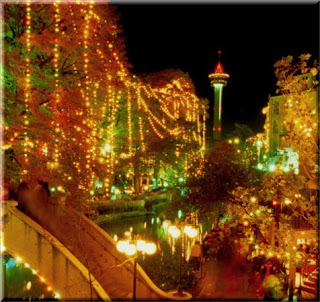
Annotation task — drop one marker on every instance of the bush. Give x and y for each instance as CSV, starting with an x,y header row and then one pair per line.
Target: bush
x,y
163,269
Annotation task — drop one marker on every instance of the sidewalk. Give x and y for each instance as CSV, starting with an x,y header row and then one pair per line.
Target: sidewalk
x,y
222,282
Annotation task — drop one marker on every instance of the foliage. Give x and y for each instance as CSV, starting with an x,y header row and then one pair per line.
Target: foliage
x,y
211,189
300,113
163,270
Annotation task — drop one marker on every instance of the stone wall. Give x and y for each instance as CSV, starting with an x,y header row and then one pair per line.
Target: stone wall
x,y
62,271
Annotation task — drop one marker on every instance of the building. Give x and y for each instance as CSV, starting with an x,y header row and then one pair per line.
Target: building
x,y
274,127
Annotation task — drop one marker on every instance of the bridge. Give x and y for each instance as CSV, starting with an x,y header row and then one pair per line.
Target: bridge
x,y
77,258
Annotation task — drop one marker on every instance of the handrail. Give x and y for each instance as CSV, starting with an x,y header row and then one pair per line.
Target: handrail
x,y
59,246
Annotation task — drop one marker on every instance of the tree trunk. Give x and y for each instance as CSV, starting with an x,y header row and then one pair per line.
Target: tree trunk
x,y
136,176
156,173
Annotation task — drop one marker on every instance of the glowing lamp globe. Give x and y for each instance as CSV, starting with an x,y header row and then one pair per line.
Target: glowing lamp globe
x,y
150,248
141,245
174,231
130,249
122,246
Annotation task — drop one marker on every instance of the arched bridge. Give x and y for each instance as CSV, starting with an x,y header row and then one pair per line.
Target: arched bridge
x,y
76,257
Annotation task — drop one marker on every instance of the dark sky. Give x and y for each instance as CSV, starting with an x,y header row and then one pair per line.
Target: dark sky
x,y
251,37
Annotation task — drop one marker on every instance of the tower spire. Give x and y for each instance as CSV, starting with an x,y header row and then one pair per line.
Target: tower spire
x,y
218,80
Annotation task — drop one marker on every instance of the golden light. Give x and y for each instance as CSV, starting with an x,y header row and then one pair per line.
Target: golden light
x,y
246,223
236,140
57,296
27,265
287,201
18,259
150,248
253,199
174,231
115,238
117,191
28,286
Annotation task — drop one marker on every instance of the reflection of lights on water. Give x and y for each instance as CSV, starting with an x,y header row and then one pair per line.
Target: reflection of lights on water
x,y
145,225
158,219
131,229
152,220
115,238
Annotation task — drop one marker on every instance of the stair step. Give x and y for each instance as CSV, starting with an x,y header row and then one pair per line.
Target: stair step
x,y
118,293
306,296
310,284
309,290
313,279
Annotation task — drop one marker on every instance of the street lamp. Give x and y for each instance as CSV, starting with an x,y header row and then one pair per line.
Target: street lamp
x,y
175,232
259,144
131,248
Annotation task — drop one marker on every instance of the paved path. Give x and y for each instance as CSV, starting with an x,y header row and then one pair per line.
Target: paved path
x,y
224,282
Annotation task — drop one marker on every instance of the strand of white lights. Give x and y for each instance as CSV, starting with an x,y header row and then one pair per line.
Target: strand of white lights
x,y
27,94
143,146
19,260
129,105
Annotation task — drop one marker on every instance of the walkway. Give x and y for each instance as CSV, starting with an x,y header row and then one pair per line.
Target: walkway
x,y
223,282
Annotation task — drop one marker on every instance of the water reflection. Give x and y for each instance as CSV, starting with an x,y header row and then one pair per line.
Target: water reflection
x,y
151,228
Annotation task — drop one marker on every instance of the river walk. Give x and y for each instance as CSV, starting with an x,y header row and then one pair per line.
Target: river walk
x,y
223,282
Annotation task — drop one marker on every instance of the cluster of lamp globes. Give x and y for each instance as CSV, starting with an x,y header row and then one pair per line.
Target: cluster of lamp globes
x,y
188,230
130,247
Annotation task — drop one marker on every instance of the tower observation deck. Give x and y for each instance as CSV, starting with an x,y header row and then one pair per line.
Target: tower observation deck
x,y
218,79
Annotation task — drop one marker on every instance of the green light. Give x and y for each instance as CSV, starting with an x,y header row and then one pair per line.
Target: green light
x,y
165,184
152,220
52,189
272,168
180,179
179,214
265,156
260,166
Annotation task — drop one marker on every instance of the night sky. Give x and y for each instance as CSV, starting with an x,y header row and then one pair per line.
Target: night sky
x,y
251,37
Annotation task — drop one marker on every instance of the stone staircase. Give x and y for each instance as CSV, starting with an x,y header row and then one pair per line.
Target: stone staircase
x,y
309,287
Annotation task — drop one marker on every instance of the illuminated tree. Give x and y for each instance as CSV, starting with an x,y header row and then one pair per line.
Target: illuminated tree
x,y
210,191
300,113
61,84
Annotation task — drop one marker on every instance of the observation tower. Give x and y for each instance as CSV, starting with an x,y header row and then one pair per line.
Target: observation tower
x,y
218,79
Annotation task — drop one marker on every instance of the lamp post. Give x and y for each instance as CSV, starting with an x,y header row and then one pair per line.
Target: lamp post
x,y
175,232
259,144
131,248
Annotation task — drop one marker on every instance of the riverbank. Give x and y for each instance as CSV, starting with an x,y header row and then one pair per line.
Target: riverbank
x,y
125,213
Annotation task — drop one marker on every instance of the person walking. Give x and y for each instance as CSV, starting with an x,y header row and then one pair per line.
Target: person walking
x,y
196,253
